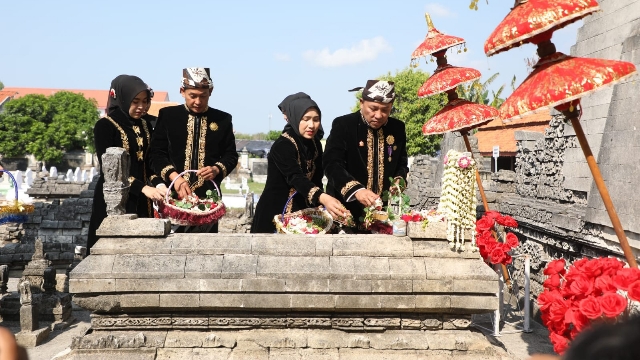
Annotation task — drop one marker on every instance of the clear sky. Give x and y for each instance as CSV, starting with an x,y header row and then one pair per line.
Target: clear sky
x,y
258,51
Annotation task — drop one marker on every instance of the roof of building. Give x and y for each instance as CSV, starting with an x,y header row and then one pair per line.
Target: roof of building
x,y
4,94
503,135
157,105
100,96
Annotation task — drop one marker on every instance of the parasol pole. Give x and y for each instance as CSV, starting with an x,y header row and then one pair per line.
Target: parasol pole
x,y
602,188
505,273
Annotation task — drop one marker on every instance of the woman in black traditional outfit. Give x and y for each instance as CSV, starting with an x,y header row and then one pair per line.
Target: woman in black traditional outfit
x,y
124,127
294,164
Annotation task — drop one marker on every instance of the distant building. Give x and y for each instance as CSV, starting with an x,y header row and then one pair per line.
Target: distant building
x,y
503,135
5,95
100,96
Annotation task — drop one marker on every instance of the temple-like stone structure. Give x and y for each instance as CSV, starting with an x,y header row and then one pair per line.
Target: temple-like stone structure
x,y
156,295
267,296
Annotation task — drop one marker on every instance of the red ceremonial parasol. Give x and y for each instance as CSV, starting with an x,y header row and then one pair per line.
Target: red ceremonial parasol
x,y
446,78
529,18
434,42
459,114
560,81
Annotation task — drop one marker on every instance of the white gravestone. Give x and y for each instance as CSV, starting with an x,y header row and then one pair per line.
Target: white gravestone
x,y
18,177
83,176
53,173
69,175
28,177
92,173
76,175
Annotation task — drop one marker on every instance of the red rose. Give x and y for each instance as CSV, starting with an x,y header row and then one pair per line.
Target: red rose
x,y
552,282
612,304
512,240
416,218
507,259
581,285
610,266
497,255
558,311
560,343
625,277
634,290
592,268
491,214
604,283
580,321
590,307
546,298
507,221
406,217
484,224
491,244
555,267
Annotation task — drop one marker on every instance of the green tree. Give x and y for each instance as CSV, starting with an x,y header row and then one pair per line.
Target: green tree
x,y
273,134
1,85
479,92
413,111
47,127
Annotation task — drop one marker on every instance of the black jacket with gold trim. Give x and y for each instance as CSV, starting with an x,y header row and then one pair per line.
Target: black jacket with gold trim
x,y
183,140
357,156
290,169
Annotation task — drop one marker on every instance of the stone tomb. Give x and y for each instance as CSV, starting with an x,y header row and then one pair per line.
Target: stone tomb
x,y
270,296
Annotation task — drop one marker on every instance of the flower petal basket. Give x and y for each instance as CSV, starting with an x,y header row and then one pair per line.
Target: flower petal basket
x,y
194,216
14,211
320,219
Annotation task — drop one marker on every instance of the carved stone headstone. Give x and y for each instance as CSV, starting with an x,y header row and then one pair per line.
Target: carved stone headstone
x,y
69,176
49,285
28,310
115,167
28,177
26,296
18,176
4,278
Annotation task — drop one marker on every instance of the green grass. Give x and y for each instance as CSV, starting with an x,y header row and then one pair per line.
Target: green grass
x,y
254,187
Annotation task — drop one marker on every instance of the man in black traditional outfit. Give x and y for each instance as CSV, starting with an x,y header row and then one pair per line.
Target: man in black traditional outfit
x,y
194,136
365,149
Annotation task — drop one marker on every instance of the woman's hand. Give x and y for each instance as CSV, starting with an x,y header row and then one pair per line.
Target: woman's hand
x,y
366,197
208,172
154,194
333,205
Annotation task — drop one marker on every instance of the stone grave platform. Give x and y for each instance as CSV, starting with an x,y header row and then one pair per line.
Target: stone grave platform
x,y
255,296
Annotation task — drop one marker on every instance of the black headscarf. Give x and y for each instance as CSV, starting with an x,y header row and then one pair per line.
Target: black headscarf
x,y
124,88
296,109
285,104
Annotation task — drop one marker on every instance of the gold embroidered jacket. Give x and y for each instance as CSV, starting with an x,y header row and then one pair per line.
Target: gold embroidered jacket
x,y
182,141
357,156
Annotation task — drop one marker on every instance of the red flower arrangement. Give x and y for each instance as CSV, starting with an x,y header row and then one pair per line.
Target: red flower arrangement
x,y
492,251
590,291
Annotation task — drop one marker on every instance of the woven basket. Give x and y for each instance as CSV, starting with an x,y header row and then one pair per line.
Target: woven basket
x,y
14,211
184,217
319,212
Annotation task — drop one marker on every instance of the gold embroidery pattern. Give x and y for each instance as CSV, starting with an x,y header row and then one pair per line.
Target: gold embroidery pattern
x,y
380,160
285,135
369,159
187,151
290,205
163,173
390,139
311,164
223,168
123,135
153,177
131,180
201,145
144,168
350,185
312,192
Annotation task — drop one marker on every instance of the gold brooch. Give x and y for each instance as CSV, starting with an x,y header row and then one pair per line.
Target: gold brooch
x,y
361,143
390,139
395,148
213,126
